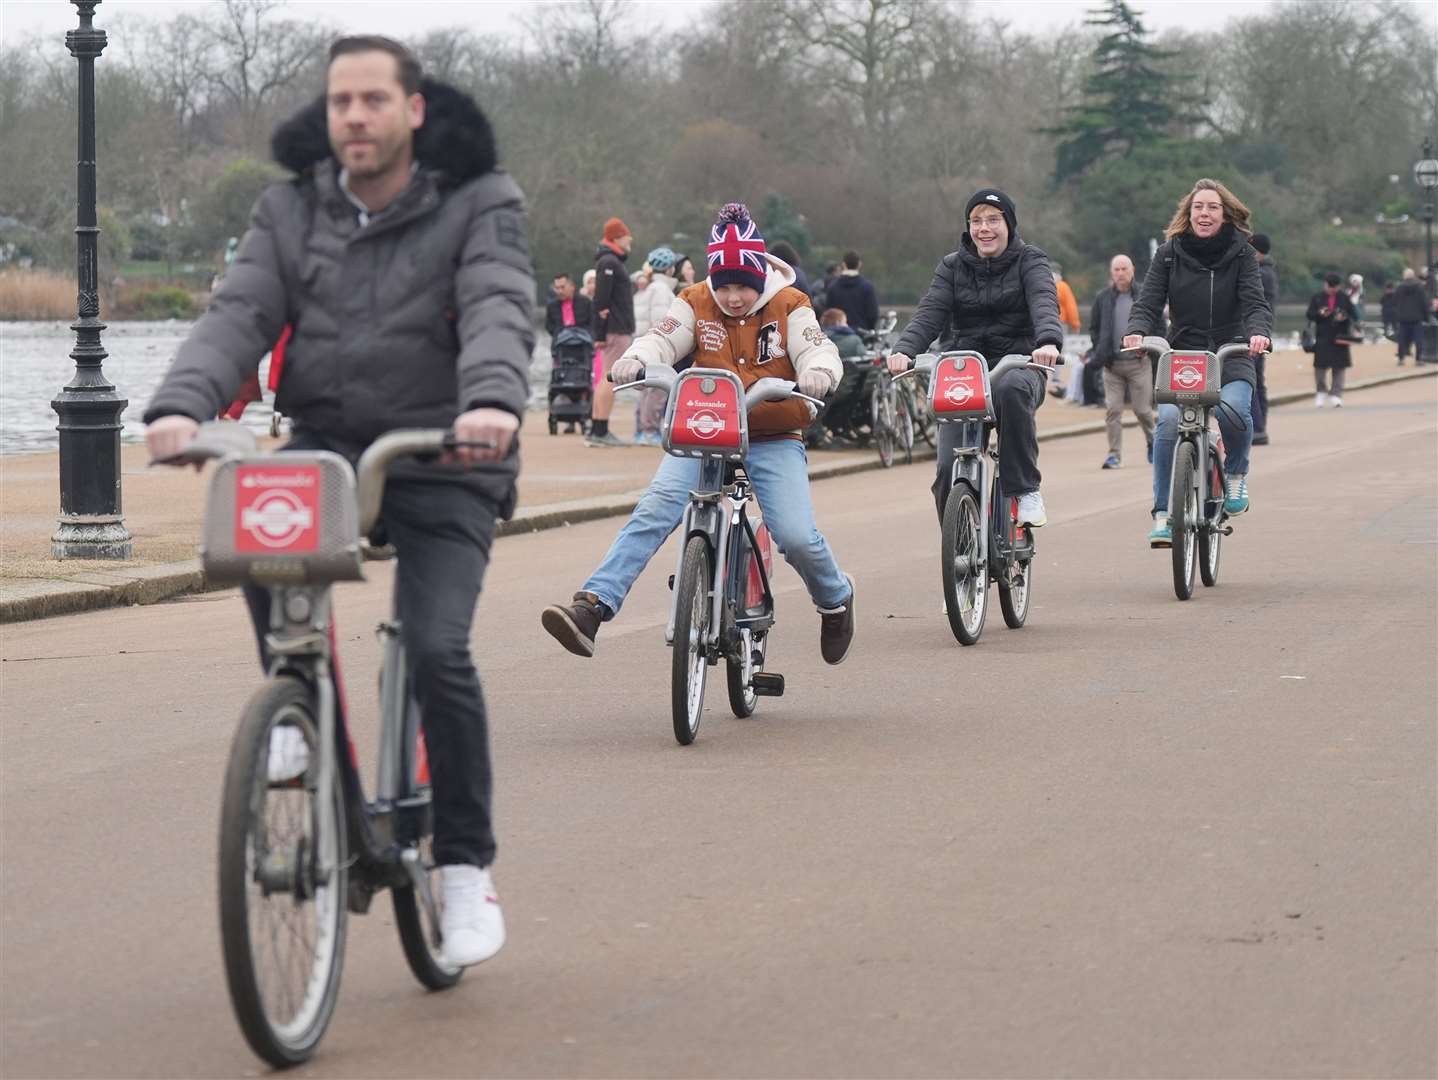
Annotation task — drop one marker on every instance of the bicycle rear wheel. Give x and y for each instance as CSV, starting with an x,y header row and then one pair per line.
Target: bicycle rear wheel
x,y
691,628
1210,540
1014,599
1186,521
882,416
965,573
904,426
282,915
742,698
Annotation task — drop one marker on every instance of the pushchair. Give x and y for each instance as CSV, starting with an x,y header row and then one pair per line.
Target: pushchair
x,y
571,385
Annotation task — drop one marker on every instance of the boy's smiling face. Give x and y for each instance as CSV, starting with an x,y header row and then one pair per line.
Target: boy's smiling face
x,y
736,299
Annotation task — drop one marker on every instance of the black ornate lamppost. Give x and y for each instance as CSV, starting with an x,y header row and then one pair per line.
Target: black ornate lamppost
x,y
90,525
1426,175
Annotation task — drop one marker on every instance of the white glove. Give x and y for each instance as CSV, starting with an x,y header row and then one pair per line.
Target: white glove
x,y
816,382
627,369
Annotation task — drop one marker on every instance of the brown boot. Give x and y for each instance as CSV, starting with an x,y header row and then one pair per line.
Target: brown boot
x,y
574,625
836,629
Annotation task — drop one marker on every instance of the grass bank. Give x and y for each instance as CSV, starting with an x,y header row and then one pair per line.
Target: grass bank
x,y
38,295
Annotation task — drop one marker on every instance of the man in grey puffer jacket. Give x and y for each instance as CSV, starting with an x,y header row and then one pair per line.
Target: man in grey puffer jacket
x,y
398,258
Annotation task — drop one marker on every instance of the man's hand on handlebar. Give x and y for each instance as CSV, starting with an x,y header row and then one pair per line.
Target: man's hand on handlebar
x,y
1132,342
170,435
495,426
626,369
1258,344
899,363
1045,356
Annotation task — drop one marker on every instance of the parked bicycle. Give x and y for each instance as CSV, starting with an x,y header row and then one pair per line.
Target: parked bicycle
x,y
891,424
723,607
982,540
1191,380
300,844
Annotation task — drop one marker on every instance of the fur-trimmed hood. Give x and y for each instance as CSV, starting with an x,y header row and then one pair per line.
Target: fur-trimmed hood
x,y
455,138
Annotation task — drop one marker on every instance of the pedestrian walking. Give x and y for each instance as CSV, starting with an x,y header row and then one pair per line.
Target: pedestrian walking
x,y
1331,309
1268,276
1385,307
650,306
854,293
1123,374
567,307
1409,307
784,250
1068,303
613,322
684,271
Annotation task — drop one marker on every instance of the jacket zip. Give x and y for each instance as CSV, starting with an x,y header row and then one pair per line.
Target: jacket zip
x,y
1210,310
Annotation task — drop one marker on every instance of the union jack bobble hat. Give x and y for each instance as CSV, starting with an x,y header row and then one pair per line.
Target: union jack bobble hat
x,y
736,249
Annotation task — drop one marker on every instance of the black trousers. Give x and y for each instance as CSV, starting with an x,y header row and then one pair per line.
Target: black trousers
x,y
1017,395
442,532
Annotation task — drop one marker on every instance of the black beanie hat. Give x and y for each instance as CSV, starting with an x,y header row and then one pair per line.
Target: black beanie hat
x,y
999,201
1261,243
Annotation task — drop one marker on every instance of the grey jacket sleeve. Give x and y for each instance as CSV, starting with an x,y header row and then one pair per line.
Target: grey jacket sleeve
x,y
494,291
1043,298
931,317
1147,314
1257,315
242,323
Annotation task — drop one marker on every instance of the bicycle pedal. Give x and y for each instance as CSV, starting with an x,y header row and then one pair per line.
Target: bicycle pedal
x,y
768,684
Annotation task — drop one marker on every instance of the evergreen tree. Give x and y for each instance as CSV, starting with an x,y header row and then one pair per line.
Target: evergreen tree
x,y
1126,99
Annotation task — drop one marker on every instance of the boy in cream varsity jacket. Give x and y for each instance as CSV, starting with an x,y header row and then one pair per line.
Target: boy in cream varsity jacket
x,y
747,318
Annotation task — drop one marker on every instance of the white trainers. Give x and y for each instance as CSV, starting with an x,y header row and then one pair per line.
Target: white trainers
x,y
1336,401
470,923
1031,510
1320,399
289,754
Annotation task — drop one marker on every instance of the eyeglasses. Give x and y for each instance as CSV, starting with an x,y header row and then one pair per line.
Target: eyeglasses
x,y
988,221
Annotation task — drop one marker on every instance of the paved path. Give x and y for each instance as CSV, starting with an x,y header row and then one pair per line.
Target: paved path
x,y
1136,838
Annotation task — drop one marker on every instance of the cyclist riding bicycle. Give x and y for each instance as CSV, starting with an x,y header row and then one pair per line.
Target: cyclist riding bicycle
x,y
398,257
1207,273
996,296
746,317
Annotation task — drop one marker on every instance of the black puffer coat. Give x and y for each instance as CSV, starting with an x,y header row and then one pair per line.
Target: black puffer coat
x,y
424,313
1208,307
613,294
1007,304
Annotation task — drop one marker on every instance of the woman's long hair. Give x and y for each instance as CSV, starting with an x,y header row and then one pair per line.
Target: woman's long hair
x,y
1233,209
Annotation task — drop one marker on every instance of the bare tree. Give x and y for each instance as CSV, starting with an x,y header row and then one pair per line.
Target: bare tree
x,y
258,58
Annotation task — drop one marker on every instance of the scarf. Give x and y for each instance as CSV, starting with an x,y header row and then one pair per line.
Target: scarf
x,y
1208,252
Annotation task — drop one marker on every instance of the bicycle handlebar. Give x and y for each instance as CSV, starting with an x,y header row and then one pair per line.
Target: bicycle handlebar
x,y
1155,346
663,377
925,362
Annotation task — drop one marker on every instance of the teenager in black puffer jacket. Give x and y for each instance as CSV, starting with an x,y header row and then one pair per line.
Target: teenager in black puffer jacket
x,y
995,295
1207,273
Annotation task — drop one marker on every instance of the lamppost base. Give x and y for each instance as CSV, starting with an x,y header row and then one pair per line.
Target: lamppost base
x,y
92,538
1428,343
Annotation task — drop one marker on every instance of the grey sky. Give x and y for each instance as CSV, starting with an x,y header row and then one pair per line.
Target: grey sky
x,y
21,18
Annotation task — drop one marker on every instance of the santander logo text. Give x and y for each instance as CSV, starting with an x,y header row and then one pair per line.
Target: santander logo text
x,y
705,424
277,518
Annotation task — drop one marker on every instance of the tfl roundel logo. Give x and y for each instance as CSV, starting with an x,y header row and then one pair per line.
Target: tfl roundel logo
x,y
960,391
705,424
277,509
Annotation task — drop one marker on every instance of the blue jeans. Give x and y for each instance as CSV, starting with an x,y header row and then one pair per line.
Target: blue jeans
x,y
780,474
1237,439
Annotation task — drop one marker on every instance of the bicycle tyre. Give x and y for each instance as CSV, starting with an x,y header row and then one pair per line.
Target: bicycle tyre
x,y
424,959
882,415
923,412
966,594
742,698
1210,540
1014,601
904,427
247,791
1185,522
691,626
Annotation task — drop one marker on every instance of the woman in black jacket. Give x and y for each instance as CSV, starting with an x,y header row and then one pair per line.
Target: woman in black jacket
x,y
995,295
1331,310
1207,273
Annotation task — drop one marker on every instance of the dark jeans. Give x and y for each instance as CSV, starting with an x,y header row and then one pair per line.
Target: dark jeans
x,y
1260,397
1410,333
442,532
1017,396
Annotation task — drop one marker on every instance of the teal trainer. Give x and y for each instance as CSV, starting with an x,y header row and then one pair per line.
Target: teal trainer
x,y
1161,535
1235,499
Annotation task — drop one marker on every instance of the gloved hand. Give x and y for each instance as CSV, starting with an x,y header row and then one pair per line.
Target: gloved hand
x,y
816,382
627,369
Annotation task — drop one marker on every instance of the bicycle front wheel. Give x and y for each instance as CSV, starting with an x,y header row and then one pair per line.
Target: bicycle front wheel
x,y
1186,521
883,422
965,572
691,631
282,876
